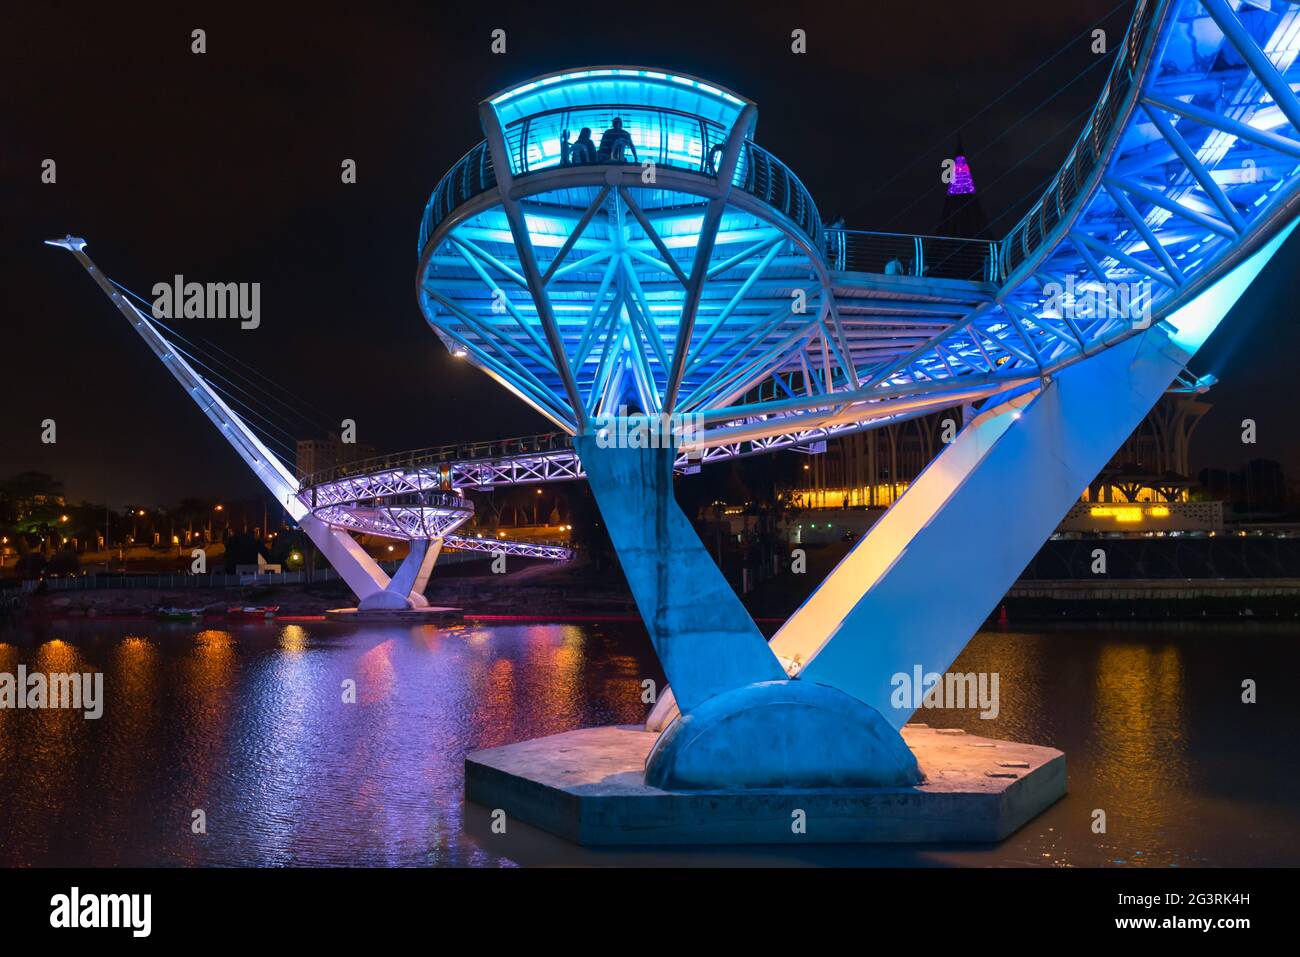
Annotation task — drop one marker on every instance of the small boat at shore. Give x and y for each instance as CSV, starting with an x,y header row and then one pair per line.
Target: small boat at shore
x,y
179,614
253,611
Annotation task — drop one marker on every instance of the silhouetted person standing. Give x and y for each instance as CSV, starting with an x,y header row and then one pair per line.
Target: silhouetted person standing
x,y
583,150
613,142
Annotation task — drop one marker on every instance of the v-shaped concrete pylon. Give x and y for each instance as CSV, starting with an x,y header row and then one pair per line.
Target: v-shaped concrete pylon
x,y
743,723
705,639
923,579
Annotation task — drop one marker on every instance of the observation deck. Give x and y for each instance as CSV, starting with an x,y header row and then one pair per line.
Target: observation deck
x,y
697,277
583,287
619,277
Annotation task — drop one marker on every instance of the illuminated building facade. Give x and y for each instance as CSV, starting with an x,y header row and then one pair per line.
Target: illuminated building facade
x,y
319,455
871,470
963,214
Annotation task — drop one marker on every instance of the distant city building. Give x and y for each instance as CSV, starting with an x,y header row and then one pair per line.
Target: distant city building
x,y
963,215
1145,487
1177,516
870,469
317,455
24,506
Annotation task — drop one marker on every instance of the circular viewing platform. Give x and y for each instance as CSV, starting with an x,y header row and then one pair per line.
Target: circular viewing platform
x,y
673,121
614,241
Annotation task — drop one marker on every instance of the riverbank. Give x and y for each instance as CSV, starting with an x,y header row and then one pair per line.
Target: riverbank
x,y
534,590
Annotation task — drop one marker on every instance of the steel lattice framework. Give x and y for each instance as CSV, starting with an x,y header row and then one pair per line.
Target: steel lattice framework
x,y
700,281
585,287
556,553
415,472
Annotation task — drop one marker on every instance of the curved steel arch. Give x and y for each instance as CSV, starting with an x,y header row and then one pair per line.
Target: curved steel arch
x,y
1150,200
1186,166
1149,207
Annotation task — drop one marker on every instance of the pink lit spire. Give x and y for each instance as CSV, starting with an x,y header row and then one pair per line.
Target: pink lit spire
x,y
962,182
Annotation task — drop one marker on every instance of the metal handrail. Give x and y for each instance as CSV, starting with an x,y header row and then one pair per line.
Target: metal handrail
x,y
426,499
472,174
529,131
758,173
937,257
441,455
761,174
1037,225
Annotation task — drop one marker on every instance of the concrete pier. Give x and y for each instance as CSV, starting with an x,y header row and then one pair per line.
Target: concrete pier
x,y
588,786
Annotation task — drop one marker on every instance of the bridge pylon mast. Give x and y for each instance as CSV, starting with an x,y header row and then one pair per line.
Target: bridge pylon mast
x,y
361,572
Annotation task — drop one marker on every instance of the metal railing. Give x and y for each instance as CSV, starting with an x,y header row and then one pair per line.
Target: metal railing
x,y
665,137
661,136
441,455
472,174
426,499
1054,205
761,174
681,140
938,257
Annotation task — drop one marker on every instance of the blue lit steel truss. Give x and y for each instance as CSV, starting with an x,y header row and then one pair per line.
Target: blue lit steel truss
x,y
695,276
713,288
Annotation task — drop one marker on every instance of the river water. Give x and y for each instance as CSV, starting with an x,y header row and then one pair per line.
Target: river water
x,y
248,724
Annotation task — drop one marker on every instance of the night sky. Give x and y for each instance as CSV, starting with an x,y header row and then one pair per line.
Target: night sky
x,y
226,167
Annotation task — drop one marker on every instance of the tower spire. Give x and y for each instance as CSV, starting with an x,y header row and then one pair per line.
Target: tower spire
x,y
963,215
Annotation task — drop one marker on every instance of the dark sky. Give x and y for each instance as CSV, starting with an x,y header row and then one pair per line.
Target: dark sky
x,y
225,167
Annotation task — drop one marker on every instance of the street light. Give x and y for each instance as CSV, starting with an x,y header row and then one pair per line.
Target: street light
x,y
215,508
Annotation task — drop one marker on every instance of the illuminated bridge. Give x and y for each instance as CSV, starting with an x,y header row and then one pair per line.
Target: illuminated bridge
x,y
697,278
712,288
677,267
619,246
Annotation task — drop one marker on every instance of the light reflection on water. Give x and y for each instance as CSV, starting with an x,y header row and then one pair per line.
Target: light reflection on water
x,y
250,725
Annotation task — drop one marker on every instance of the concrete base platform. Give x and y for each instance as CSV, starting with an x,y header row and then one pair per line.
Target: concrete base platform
x,y
589,787
396,616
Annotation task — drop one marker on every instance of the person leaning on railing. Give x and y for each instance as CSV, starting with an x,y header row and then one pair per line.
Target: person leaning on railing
x,y
614,142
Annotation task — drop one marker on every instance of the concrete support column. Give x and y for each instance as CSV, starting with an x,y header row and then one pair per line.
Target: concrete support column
x,y
361,572
406,588
924,578
703,635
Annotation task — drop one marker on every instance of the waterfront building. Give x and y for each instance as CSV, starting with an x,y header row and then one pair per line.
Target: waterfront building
x,y
845,483
319,455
